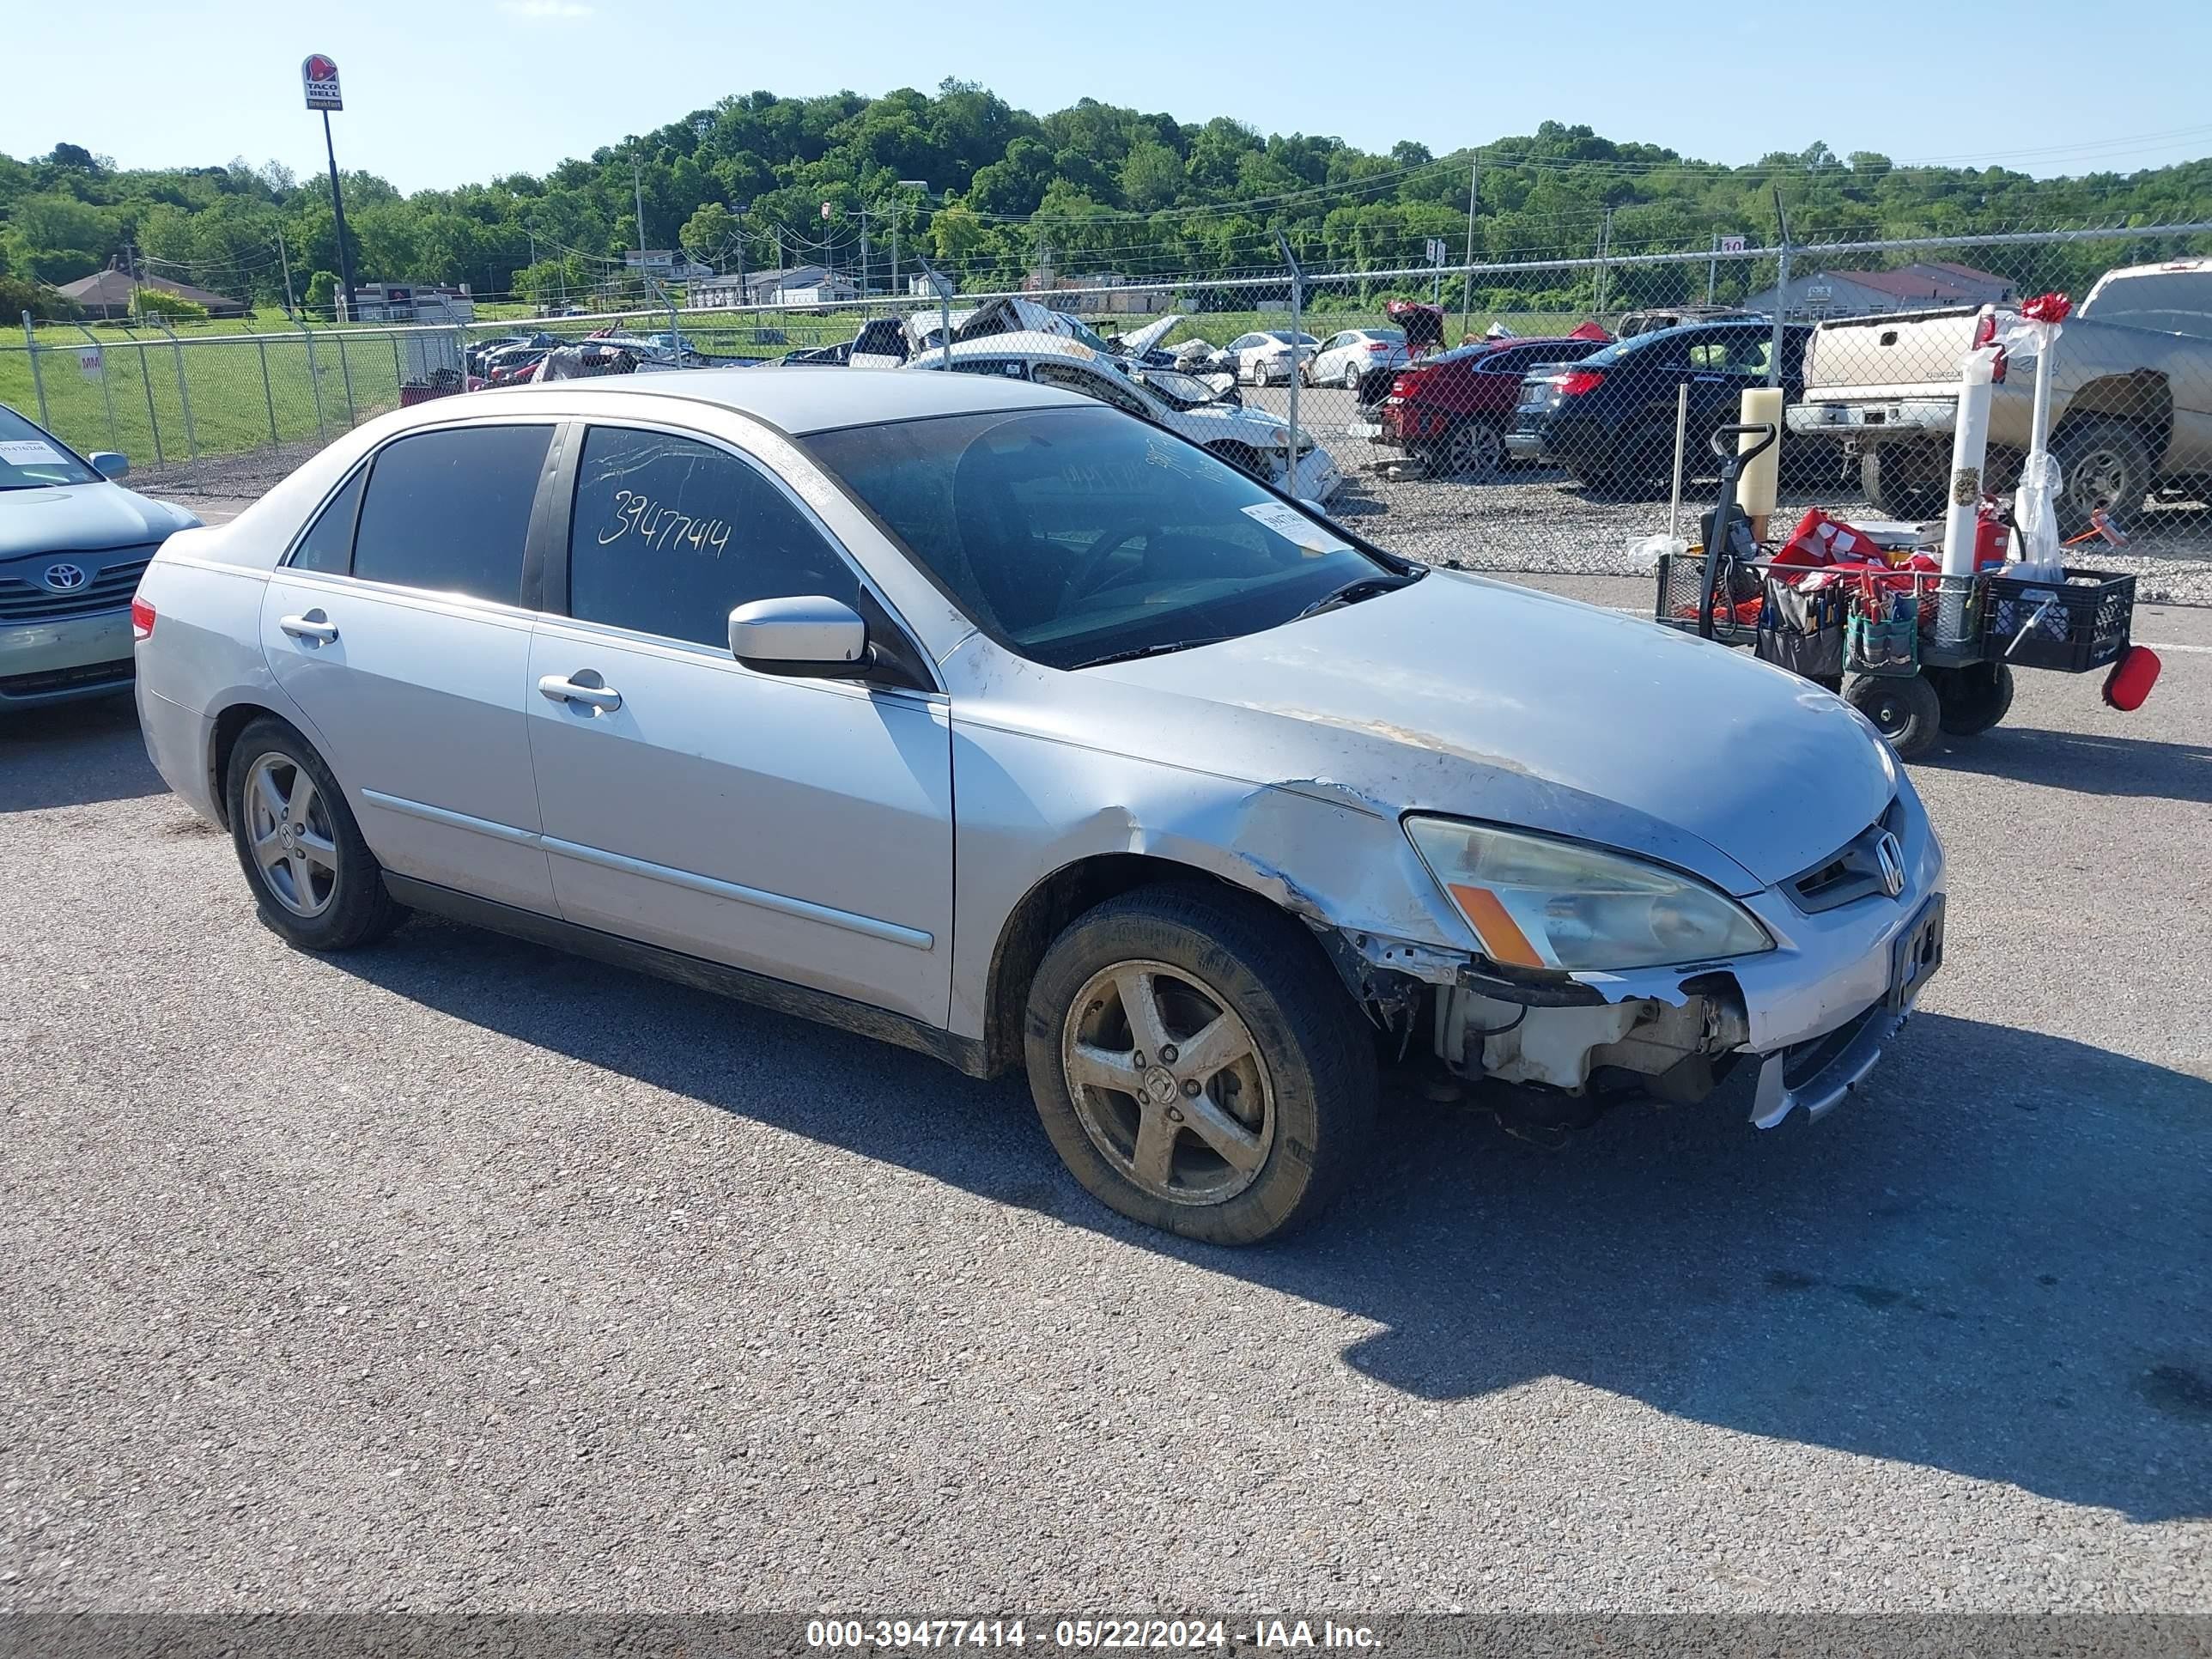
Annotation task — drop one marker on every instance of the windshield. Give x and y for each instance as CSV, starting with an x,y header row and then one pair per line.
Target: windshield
x,y
1070,535
1183,391
30,457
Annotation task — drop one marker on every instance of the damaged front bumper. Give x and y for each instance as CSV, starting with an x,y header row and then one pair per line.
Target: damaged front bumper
x,y
1814,1014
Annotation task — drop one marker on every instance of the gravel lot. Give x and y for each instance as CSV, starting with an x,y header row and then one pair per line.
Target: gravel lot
x,y
457,1274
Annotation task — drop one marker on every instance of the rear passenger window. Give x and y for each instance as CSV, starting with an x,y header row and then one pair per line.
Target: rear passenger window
x,y
449,511
328,545
671,535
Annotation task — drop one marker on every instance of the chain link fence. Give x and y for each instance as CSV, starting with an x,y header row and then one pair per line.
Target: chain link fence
x,y
1521,415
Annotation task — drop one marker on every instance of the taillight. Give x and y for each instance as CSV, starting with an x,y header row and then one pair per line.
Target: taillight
x,y
1377,345
141,618
1985,329
1578,382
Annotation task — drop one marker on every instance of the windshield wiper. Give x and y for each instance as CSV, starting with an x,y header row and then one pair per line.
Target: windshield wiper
x,y
1366,587
1158,650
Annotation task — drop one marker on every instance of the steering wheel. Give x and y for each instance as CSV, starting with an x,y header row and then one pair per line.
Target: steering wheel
x,y
1091,577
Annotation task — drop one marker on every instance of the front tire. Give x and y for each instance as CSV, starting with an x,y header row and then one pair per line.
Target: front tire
x,y
1198,1066
1903,708
314,879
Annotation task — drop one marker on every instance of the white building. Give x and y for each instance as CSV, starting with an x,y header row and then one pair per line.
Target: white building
x,y
796,285
409,302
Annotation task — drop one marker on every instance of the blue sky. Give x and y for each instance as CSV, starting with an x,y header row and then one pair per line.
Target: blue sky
x,y
468,89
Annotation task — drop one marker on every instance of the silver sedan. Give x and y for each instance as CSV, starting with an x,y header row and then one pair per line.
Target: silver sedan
x,y
984,719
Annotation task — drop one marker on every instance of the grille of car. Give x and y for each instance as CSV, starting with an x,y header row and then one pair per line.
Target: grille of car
x,y
112,577
1852,871
117,673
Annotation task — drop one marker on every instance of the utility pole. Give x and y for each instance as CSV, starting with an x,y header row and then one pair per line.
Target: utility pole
x,y
1713,269
1467,282
1781,292
898,204
743,298
284,259
637,190
1604,252
864,257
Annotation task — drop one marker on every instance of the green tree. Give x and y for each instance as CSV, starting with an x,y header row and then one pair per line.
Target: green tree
x,y
709,232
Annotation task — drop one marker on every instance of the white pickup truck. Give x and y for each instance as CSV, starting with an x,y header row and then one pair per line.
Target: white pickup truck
x,y
2130,406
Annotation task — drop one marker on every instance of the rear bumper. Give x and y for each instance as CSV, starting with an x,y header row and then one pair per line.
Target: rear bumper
x,y
180,741
49,662
1875,422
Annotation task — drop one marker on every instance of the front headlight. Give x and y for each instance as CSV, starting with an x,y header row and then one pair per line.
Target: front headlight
x,y
1536,903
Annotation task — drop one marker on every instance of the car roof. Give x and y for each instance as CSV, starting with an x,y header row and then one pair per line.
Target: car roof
x,y
806,400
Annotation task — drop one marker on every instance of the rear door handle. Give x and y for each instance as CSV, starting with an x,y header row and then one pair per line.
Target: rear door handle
x,y
313,626
606,699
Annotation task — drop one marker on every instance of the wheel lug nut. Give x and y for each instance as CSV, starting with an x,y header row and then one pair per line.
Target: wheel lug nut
x,y
1139,1058
1190,1088
1168,1055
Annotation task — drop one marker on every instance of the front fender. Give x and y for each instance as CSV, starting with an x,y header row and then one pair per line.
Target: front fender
x,y
1030,805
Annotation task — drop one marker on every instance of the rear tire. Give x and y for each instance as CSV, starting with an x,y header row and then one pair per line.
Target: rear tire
x,y
1897,489
1904,710
1973,698
2102,462
313,877
1230,1154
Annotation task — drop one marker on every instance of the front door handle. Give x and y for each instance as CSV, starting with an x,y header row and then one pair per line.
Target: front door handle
x,y
603,698
313,626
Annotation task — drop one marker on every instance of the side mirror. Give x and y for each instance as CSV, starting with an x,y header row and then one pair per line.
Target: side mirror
x,y
810,636
1318,508
110,465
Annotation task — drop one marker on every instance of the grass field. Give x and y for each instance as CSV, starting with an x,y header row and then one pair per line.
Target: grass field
x,y
257,383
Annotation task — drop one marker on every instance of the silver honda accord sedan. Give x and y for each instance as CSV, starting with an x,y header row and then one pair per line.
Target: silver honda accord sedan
x,y
981,718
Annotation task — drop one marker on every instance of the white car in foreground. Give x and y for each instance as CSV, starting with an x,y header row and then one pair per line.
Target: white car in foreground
x,y
1251,438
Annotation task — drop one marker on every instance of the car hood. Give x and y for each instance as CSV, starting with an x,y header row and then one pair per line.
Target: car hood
x,y
82,519
1137,345
1468,696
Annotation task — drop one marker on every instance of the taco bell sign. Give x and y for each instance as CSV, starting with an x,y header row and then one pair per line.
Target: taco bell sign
x,y
319,76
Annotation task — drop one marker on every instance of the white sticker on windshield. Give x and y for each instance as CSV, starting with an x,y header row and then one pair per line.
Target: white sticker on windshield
x,y
31,452
1294,526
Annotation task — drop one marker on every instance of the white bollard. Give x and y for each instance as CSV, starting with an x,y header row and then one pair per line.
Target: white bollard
x,y
1970,443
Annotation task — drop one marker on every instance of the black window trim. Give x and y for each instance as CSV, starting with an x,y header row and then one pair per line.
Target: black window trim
x,y
918,670
365,469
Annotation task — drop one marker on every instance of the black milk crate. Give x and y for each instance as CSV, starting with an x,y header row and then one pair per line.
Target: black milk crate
x,y
2074,627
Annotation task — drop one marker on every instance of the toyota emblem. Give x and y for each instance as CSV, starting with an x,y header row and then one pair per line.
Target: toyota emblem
x,y
64,578
1889,853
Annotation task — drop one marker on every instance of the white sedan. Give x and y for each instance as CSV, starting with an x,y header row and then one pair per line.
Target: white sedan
x,y
1270,356
1343,358
1252,439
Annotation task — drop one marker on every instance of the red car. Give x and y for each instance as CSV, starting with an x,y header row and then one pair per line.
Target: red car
x,y
1451,412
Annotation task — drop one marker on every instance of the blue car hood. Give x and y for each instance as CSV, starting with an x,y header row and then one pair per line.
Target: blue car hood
x,y
82,519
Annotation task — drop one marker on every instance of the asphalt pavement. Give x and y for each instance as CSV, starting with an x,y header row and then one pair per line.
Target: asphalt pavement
x,y
459,1275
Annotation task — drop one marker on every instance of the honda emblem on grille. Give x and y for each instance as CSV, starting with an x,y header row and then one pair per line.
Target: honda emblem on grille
x,y
64,578
1889,853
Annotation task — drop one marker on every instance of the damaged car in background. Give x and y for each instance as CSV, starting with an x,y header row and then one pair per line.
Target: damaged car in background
x,y
969,714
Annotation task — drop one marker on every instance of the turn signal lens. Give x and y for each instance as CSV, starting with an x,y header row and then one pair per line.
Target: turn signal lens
x,y
141,618
1536,903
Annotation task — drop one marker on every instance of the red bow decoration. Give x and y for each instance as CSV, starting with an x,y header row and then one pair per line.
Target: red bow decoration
x,y
2047,309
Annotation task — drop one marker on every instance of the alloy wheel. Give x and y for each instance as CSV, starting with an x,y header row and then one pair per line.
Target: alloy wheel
x,y
1168,1082
287,826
